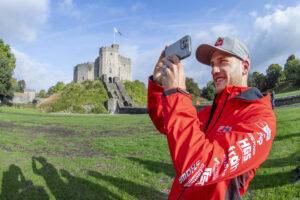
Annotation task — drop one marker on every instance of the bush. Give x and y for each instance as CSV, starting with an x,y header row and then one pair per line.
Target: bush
x,y
75,96
137,91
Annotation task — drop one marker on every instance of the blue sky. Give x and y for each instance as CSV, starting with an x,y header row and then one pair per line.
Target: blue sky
x,y
50,37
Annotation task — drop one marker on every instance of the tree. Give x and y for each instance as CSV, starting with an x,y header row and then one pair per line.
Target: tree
x,y
7,66
21,85
56,88
208,92
192,87
291,57
259,80
42,94
274,74
292,71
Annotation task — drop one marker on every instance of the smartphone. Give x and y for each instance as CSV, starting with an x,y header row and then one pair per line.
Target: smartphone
x,y
182,48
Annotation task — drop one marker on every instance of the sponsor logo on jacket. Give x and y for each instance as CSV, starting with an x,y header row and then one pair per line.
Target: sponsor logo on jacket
x,y
265,128
188,172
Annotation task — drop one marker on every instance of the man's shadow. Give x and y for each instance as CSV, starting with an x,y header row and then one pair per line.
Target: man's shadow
x,y
15,186
154,166
132,188
64,185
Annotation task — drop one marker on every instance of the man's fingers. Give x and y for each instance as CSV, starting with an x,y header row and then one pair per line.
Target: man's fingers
x,y
159,65
162,54
173,68
174,59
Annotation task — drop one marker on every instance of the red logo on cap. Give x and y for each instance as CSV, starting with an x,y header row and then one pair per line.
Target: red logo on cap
x,y
219,42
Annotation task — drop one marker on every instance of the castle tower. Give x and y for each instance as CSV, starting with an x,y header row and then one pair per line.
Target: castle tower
x,y
109,63
112,64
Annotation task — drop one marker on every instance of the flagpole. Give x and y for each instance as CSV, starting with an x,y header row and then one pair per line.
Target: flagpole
x,y
114,36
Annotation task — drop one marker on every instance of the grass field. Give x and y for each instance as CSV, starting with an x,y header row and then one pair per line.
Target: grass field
x,y
52,156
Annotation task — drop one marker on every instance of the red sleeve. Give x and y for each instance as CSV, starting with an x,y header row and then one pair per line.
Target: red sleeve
x,y
199,161
155,92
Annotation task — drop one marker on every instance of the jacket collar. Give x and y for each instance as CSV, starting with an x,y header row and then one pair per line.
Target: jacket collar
x,y
238,92
251,94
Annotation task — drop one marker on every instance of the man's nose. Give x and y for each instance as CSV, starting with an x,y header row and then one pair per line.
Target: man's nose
x,y
215,69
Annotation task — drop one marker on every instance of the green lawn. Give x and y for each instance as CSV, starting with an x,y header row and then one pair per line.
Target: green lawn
x,y
52,156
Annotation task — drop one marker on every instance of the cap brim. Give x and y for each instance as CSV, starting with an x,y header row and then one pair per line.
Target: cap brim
x,y
204,53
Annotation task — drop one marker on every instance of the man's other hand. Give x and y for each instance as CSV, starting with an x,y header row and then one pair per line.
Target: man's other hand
x,y
173,73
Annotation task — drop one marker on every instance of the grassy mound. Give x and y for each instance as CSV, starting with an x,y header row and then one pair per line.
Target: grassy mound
x,y
88,97
137,91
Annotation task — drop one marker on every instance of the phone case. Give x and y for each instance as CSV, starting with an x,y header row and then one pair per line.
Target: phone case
x,y
182,48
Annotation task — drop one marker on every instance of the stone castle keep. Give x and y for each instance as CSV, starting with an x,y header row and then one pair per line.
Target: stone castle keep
x,y
113,69
109,63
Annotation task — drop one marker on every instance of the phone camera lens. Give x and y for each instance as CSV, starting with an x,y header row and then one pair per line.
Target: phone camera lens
x,y
183,44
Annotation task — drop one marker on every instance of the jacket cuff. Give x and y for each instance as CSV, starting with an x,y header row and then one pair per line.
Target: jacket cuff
x,y
175,90
153,86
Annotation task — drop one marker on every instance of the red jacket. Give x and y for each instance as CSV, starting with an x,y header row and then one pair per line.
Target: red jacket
x,y
216,151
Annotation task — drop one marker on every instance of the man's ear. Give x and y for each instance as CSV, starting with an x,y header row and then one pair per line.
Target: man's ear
x,y
246,66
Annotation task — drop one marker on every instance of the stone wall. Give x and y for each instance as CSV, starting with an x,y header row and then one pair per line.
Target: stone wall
x,y
83,72
23,98
124,68
287,101
132,110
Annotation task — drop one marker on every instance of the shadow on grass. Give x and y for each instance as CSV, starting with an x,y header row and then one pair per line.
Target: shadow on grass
x,y
134,189
64,185
287,136
15,186
279,178
73,188
155,166
292,159
272,180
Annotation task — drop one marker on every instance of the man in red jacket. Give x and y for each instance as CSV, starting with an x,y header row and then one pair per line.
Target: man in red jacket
x,y
216,151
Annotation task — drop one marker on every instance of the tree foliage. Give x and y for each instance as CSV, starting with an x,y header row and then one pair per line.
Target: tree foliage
x,y
21,86
7,66
208,92
42,94
258,80
192,87
292,70
274,75
56,88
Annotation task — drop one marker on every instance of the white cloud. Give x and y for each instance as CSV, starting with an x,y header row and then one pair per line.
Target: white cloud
x,y
68,7
20,19
37,75
268,6
253,14
138,6
276,35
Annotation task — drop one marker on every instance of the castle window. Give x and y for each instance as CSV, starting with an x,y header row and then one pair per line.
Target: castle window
x,y
111,54
110,71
